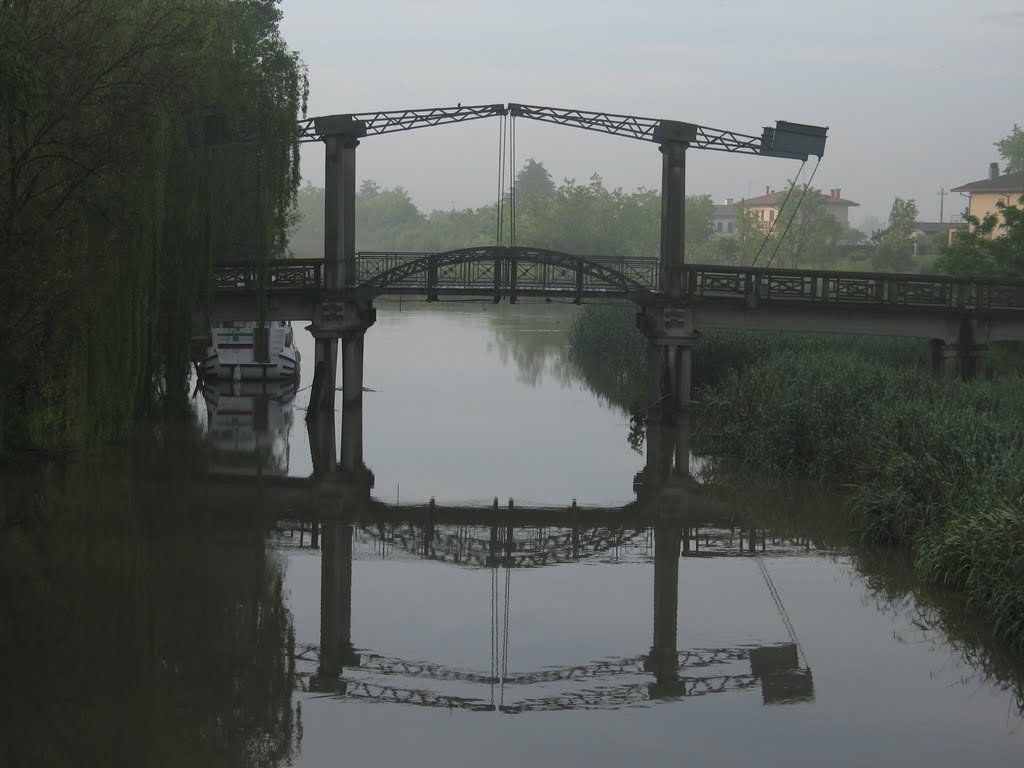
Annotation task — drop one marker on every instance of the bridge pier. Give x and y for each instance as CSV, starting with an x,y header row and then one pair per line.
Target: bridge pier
x,y
960,356
670,340
325,374
347,320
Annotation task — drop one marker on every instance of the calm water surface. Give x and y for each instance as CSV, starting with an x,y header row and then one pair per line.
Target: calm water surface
x,y
199,602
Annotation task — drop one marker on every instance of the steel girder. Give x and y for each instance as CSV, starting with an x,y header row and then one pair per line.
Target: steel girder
x,y
377,123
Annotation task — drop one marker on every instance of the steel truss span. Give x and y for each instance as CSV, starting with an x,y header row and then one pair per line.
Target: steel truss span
x,y
791,140
504,271
377,123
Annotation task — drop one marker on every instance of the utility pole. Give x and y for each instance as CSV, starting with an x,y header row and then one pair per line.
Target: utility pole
x,y
942,202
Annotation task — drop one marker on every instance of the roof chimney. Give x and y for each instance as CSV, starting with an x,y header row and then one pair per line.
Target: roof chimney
x,y
993,171
767,189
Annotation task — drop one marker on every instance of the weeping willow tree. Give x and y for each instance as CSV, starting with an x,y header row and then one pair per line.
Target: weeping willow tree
x,y
140,141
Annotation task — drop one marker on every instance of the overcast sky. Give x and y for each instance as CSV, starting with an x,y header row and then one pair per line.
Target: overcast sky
x,y
914,93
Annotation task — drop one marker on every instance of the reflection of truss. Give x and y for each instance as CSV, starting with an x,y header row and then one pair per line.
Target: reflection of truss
x,y
479,546
604,684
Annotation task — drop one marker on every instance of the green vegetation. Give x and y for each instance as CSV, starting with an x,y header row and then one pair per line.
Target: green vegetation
x,y
139,142
570,217
993,246
935,466
1011,149
895,248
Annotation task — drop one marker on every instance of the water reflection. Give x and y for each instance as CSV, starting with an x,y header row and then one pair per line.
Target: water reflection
x,y
181,613
136,639
248,423
672,518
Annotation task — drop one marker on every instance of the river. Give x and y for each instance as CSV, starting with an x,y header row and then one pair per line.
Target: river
x,y
195,600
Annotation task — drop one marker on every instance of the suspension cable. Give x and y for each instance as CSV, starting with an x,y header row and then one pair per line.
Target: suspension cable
x,y
501,179
793,217
782,207
512,180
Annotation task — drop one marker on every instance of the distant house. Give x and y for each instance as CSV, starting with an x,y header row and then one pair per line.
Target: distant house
x,y
925,234
723,218
766,208
927,230
984,194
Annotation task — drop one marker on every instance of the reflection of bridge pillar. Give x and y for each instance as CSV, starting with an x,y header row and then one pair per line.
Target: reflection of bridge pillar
x,y
663,659
664,485
336,650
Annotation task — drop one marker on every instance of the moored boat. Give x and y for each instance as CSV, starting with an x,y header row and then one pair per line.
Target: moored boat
x,y
244,350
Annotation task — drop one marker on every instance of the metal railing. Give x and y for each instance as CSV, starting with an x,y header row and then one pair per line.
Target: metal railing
x,y
755,285
280,276
540,273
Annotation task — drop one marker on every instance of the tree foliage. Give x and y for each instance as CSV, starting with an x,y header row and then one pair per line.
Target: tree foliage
x,y
140,140
993,246
1011,149
569,217
805,233
895,249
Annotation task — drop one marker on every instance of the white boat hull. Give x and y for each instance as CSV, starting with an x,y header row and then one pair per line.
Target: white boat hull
x,y
241,351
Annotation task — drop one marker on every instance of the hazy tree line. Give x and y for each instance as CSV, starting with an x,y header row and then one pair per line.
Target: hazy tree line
x,y
140,140
592,219
570,217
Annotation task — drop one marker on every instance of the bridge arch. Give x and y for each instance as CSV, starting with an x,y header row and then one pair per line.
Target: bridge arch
x,y
502,271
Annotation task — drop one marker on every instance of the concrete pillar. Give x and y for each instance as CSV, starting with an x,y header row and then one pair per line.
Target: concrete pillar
x,y
935,352
655,381
325,374
673,217
341,135
959,356
336,650
323,444
340,212
352,437
682,374
352,402
681,446
352,369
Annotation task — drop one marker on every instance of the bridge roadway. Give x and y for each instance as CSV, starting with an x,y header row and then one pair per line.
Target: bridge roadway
x,y
933,307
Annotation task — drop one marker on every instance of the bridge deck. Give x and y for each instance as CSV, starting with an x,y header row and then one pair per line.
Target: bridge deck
x,y
721,296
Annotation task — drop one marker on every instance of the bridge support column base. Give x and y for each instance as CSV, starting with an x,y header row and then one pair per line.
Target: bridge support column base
x,y
325,373
670,340
959,357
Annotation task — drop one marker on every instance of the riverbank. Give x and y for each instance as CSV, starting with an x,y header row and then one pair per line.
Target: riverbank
x,y
933,466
